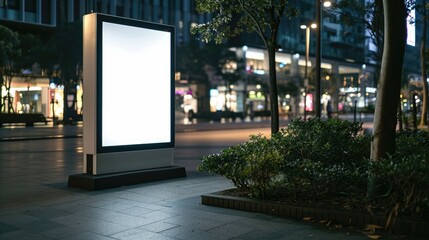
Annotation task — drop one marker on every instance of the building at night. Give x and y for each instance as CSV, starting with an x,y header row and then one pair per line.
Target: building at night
x,y
349,68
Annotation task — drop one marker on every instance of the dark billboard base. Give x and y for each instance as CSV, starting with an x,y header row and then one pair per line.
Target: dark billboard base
x,y
98,182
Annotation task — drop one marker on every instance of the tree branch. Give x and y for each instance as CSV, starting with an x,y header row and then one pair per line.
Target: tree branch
x,y
259,29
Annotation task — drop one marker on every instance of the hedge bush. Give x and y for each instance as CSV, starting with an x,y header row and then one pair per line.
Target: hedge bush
x,y
406,176
319,159
323,156
251,166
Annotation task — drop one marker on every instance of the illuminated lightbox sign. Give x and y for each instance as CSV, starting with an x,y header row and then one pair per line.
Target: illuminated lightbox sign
x,y
135,84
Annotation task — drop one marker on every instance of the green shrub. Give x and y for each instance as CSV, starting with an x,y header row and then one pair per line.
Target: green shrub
x,y
405,176
320,159
230,163
251,166
332,142
323,156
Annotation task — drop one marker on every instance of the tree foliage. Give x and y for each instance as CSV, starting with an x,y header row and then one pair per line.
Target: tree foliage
x,y
64,60
9,54
231,18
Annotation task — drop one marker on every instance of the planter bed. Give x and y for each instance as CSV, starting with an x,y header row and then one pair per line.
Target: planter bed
x,y
342,217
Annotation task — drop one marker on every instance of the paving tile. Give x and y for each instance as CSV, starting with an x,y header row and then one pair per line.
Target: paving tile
x,y
17,219
45,212
22,235
230,230
40,226
159,226
61,232
190,233
136,211
117,217
194,222
156,216
88,236
4,228
91,224
138,234
259,235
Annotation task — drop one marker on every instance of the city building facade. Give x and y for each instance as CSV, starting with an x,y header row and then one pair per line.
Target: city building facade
x,y
349,70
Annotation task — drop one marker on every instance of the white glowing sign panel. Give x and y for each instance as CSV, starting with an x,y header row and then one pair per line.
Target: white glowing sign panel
x,y
136,85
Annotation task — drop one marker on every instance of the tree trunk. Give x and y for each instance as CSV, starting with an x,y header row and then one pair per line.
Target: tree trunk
x,y
423,120
1,86
274,105
389,85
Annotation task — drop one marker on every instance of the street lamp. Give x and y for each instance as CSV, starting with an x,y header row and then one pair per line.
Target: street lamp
x,y
319,53
307,56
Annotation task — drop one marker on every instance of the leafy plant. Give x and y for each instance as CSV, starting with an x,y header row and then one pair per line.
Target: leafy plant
x,y
324,155
250,166
405,175
316,160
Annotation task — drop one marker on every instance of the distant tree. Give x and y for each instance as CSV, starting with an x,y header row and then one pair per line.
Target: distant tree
x,y
31,48
196,62
9,55
230,69
233,17
190,63
64,58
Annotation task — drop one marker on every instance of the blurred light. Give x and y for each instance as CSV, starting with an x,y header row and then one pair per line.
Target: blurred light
x,y
259,71
214,92
327,4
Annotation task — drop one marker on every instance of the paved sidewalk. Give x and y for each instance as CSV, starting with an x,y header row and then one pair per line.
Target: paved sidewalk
x,y
36,204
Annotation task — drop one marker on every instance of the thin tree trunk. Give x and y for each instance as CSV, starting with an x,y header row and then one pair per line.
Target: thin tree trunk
x,y
423,119
389,85
274,105
1,86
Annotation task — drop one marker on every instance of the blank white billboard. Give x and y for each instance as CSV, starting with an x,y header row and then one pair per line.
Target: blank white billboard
x,y
136,85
